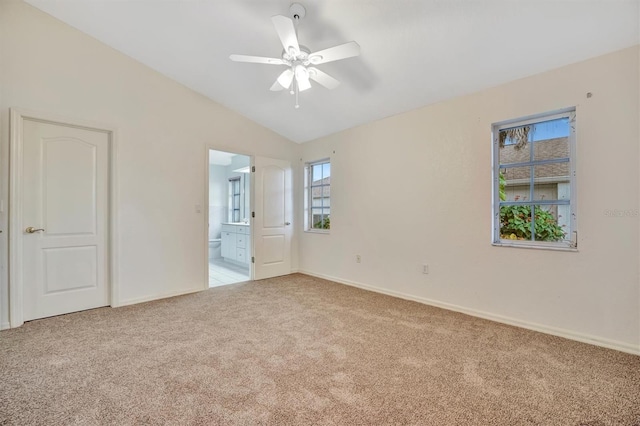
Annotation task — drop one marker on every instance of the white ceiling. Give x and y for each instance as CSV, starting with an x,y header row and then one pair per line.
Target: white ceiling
x,y
414,52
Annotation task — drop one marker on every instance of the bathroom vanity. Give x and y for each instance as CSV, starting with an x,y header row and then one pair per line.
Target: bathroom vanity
x,y
235,245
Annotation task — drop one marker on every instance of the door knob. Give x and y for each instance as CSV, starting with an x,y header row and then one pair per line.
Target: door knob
x,y
287,223
31,230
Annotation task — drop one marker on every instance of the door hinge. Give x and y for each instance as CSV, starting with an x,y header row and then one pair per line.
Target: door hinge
x,y
253,169
253,214
253,259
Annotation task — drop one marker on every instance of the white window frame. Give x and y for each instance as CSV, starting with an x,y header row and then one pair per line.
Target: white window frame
x,y
572,243
308,195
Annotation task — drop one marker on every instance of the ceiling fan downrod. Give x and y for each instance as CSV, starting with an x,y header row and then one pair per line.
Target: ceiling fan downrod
x,y
298,12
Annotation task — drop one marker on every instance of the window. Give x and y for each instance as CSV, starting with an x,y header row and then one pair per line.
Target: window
x,y
234,199
318,195
534,182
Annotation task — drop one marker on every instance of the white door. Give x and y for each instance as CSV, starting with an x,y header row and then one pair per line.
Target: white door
x,y
272,224
64,219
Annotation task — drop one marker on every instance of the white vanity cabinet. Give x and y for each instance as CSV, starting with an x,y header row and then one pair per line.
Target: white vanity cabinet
x,y
235,242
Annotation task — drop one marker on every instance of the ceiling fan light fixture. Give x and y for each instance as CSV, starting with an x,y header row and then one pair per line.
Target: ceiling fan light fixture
x,y
285,78
315,59
304,85
302,77
302,72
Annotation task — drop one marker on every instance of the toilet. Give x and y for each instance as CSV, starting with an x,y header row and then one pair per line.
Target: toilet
x,y
214,248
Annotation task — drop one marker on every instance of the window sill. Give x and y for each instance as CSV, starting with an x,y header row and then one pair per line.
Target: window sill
x,y
533,245
317,231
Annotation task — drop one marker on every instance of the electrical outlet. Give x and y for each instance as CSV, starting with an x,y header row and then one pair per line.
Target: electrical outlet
x,y
425,269
358,258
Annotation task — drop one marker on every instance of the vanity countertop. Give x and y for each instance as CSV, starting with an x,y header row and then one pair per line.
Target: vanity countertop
x,y
235,223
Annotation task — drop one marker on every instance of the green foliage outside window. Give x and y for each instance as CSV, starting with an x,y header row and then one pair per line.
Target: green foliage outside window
x,y
515,224
515,221
323,224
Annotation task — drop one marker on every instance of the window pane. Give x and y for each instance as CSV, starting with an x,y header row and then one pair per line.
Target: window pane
x,y
551,181
321,221
515,222
326,170
514,145
556,171
515,182
326,191
547,226
316,174
552,129
563,216
551,148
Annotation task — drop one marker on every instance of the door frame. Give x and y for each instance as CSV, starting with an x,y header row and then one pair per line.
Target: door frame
x,y
16,120
231,150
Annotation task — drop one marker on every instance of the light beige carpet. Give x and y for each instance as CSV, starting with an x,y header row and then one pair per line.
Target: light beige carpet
x,y
298,350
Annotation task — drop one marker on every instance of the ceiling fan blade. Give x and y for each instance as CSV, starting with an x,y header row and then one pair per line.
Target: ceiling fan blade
x,y
284,81
323,78
256,59
335,53
287,33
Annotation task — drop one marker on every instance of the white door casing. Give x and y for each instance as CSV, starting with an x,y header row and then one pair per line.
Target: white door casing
x,y
60,184
272,227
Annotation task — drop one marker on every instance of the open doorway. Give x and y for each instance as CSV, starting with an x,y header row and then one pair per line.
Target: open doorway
x,y
229,218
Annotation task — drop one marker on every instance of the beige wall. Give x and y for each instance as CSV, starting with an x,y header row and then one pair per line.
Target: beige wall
x,y
416,188
162,133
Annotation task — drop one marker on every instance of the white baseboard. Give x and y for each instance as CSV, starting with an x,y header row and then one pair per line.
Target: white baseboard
x,y
5,326
156,297
568,334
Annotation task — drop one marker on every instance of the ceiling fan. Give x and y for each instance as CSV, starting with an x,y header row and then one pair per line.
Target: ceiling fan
x,y
298,59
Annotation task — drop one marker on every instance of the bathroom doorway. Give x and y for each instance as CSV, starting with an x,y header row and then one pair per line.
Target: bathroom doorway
x,y
229,218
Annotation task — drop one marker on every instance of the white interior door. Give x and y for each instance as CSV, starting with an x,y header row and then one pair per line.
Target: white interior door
x,y
64,219
272,223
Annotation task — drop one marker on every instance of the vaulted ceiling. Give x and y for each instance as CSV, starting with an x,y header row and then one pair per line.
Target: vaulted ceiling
x,y
413,52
